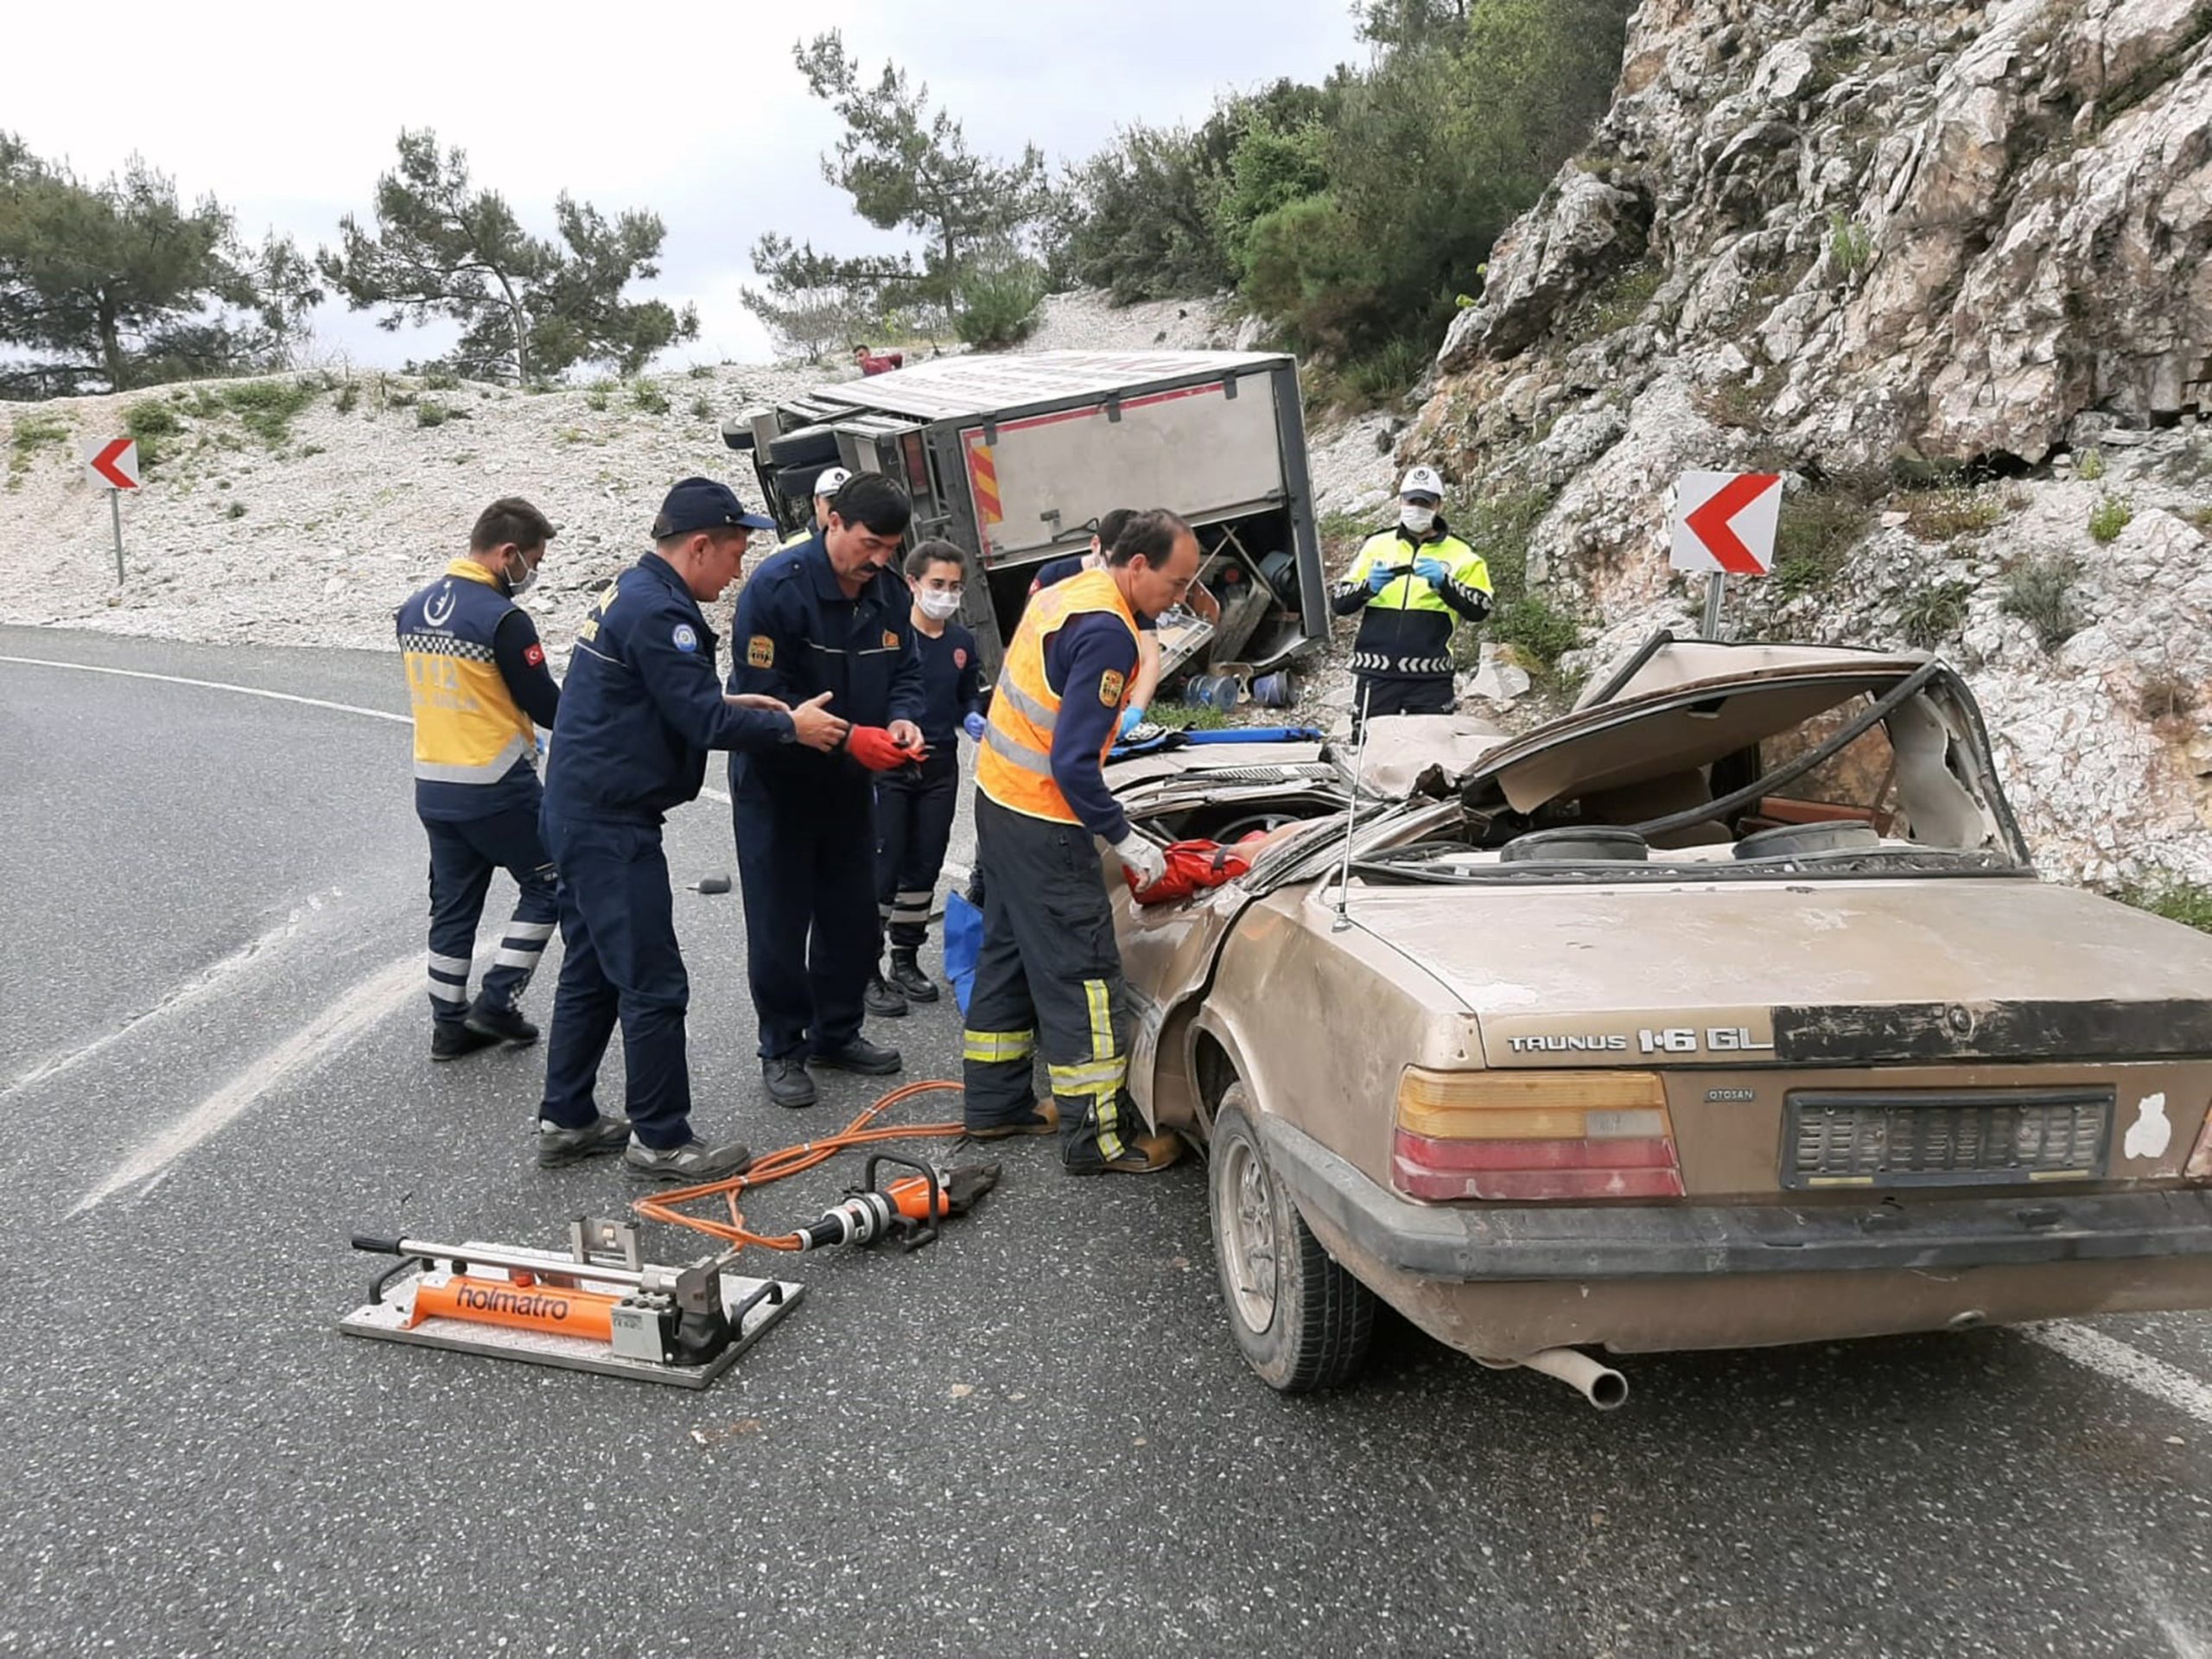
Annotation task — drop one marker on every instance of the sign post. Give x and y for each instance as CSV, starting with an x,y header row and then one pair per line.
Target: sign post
x,y
1724,524
113,463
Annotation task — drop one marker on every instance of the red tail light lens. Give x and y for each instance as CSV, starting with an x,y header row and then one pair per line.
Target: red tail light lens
x,y
1534,1135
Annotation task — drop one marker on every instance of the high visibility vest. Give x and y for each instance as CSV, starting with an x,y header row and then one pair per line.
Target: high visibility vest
x,y
1387,547
1014,765
468,728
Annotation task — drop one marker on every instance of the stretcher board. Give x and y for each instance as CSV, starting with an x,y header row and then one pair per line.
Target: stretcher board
x,y
1181,640
386,1321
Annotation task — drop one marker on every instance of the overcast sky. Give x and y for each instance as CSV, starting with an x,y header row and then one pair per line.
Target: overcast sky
x,y
694,110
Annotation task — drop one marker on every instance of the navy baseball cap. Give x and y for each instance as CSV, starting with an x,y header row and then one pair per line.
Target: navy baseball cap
x,y
702,504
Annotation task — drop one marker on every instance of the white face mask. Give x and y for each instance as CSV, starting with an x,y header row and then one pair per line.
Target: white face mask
x,y
936,604
1419,520
517,585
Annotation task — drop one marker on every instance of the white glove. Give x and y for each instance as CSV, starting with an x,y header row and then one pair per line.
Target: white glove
x,y
1140,859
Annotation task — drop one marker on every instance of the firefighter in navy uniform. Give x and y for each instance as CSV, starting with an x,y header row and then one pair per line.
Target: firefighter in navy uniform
x,y
643,705
914,805
477,680
1411,587
829,615
1049,974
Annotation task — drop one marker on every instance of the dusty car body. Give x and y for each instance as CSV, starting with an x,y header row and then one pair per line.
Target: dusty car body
x,y
1726,1009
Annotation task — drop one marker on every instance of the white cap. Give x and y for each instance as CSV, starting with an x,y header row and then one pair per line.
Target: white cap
x,y
1422,480
831,481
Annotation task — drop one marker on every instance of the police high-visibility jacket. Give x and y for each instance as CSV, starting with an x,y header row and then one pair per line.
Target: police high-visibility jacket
x,y
1014,765
475,749
1405,630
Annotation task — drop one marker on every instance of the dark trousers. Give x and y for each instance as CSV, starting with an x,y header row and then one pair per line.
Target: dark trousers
x,y
619,961
913,826
1377,694
1049,978
806,858
463,854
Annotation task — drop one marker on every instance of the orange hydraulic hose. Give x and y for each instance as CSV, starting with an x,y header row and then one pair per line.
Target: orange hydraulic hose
x,y
862,1131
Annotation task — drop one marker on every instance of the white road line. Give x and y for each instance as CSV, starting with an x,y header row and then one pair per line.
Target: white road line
x,y
2126,1363
351,1014
214,685
207,980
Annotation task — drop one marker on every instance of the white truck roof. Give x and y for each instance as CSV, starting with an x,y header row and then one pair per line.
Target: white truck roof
x,y
949,387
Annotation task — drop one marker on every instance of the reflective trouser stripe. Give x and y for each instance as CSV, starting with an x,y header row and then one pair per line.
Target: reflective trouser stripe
x,y
991,1048
519,933
1099,1079
448,965
526,957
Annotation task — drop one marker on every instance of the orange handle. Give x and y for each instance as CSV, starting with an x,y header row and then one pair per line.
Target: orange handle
x,y
554,1309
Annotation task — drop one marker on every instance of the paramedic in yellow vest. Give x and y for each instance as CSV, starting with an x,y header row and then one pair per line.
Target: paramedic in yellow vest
x,y
831,480
1048,976
477,678
1411,586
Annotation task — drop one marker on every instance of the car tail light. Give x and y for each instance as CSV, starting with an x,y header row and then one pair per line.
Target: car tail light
x,y
1514,1136
2199,1167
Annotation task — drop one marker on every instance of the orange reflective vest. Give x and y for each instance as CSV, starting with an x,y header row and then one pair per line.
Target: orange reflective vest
x,y
1014,765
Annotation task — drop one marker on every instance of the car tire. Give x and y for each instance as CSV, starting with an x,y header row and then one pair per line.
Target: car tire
x,y
1302,1321
808,445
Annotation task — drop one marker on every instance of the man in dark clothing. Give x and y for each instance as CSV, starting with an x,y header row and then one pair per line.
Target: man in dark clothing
x,y
643,706
1102,542
1411,587
477,680
829,615
914,805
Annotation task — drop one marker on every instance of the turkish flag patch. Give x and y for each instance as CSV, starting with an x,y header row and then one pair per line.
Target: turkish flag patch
x,y
534,656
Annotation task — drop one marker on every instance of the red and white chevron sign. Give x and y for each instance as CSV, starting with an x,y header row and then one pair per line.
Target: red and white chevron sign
x,y
1726,522
114,462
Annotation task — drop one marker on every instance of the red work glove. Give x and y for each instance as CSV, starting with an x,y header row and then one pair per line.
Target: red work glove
x,y
872,747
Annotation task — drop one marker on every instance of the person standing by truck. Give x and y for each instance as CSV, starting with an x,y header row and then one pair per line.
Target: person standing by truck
x,y
1110,524
1411,586
833,478
914,805
1049,974
477,679
829,615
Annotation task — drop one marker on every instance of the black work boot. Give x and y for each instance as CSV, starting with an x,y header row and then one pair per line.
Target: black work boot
x,y
872,1060
883,998
504,1024
558,1148
786,1081
450,1039
906,974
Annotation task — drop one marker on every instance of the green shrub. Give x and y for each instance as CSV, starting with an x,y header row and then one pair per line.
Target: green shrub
x,y
430,413
2187,902
436,379
1850,246
348,395
1812,546
997,306
2108,518
597,394
1946,515
1183,716
152,423
1387,373
648,397
29,433
2040,592
1934,613
1613,305
265,408
2092,465
1537,628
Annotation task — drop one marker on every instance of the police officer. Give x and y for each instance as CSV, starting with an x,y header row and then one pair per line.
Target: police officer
x,y
831,480
477,680
829,615
1411,586
1049,974
914,805
643,703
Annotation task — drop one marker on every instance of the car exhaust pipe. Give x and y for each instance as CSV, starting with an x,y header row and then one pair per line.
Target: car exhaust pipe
x,y
1601,1385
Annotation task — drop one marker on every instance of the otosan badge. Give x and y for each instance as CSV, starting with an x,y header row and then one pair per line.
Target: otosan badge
x,y
1109,686
759,651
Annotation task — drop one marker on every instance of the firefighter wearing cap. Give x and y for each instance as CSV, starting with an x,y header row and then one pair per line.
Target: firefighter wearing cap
x,y
643,704
832,479
1049,974
830,616
477,681
1411,587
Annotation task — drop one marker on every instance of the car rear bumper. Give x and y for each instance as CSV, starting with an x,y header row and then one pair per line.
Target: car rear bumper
x,y
1553,1241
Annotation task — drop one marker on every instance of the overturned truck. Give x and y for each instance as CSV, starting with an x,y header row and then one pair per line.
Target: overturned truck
x,y
1016,459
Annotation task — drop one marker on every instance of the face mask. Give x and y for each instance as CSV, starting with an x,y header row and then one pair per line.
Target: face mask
x,y
517,585
1419,520
938,605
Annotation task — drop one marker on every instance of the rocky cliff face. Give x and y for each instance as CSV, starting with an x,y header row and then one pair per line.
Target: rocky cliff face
x,y
1945,267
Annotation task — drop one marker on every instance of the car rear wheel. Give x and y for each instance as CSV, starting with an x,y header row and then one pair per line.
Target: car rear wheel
x,y
1301,1321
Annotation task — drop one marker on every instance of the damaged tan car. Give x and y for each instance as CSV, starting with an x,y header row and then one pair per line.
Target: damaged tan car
x,y
1726,1010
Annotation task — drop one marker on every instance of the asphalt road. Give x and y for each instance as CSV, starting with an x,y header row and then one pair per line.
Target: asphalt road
x,y
1034,1437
